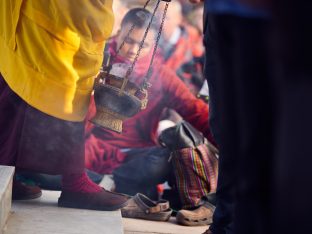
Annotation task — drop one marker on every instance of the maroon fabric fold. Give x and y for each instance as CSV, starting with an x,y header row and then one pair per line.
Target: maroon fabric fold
x,y
32,140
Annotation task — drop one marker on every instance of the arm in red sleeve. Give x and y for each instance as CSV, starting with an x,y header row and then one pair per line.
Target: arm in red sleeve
x,y
100,156
179,98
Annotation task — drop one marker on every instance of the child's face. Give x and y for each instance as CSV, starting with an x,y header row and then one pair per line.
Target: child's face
x,y
132,43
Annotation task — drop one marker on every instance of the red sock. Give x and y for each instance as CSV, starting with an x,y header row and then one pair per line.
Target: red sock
x,y
79,183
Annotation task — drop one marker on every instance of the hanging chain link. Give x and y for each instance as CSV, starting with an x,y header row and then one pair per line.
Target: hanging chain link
x,y
143,40
130,69
146,84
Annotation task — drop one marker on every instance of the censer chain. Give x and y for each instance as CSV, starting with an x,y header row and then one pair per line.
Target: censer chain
x,y
146,84
113,58
128,34
130,69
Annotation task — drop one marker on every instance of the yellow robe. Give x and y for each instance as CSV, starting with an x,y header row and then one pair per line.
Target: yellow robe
x,y
51,50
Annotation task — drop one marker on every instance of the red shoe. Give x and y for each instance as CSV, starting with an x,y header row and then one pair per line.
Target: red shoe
x,y
103,200
22,191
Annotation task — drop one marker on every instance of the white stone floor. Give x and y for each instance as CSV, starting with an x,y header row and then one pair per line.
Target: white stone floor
x,y
136,226
42,216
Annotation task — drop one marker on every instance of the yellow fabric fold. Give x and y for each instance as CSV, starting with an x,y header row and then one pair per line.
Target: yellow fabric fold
x,y
52,50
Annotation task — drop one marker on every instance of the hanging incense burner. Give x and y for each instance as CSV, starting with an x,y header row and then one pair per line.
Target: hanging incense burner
x,y
117,98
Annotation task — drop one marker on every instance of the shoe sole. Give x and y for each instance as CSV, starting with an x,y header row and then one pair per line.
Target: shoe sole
x,y
161,216
192,222
29,197
75,206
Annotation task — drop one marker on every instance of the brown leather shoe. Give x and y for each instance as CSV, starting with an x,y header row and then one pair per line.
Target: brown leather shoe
x,y
197,217
22,191
104,200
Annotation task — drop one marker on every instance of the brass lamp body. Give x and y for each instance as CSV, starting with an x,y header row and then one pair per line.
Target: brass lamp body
x,y
113,105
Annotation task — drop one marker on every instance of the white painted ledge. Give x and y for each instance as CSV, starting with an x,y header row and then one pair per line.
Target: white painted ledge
x,y
6,177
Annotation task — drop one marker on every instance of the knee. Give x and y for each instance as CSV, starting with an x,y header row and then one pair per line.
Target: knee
x,y
158,168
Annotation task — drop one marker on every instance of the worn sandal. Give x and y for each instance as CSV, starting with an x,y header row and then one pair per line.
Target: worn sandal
x,y
141,207
200,216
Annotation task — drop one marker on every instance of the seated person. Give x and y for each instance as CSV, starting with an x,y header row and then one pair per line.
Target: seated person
x,y
134,157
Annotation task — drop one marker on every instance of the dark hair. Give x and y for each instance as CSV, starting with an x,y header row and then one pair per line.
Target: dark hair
x,y
140,18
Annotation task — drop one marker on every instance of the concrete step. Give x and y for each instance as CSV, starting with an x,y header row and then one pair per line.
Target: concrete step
x,y
43,216
6,177
137,226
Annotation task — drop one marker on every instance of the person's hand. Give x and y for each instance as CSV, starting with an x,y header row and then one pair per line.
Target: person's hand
x,y
196,1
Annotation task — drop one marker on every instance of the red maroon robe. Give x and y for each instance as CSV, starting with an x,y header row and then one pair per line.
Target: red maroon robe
x,y
32,140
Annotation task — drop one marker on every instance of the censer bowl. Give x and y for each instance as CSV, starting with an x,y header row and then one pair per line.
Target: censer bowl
x,y
114,105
